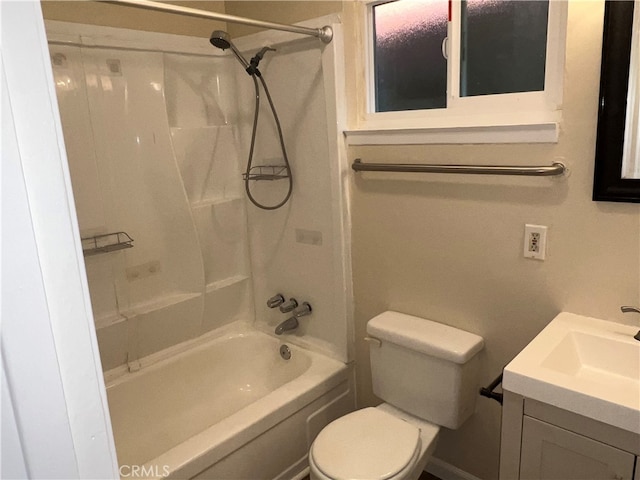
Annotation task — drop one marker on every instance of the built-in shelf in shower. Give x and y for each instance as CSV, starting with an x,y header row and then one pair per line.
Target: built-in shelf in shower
x,y
225,282
199,128
107,320
209,202
113,318
158,303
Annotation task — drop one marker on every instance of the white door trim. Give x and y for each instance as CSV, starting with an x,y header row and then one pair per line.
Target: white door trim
x,y
50,317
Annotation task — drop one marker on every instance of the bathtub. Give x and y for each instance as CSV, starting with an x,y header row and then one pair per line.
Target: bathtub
x,y
227,408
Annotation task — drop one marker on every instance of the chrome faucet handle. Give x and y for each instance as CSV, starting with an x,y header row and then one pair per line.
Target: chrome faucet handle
x,y
303,310
275,301
286,307
629,309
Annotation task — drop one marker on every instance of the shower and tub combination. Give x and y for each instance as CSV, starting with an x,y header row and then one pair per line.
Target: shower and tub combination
x,y
186,241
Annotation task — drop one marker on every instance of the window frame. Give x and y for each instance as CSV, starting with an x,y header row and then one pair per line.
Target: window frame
x,y
535,114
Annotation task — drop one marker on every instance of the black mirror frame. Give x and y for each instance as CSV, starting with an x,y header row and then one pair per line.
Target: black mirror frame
x,y
608,184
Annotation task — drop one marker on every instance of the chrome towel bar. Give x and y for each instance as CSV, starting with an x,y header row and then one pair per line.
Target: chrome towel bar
x,y
556,168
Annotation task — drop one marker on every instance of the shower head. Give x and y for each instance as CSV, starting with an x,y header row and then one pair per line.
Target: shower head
x,y
221,39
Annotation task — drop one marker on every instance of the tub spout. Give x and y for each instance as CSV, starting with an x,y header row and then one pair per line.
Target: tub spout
x,y
287,325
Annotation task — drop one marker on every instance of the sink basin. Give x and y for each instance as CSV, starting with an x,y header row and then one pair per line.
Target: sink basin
x,y
596,358
584,365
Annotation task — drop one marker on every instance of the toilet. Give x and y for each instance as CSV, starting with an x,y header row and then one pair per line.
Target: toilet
x,y
427,375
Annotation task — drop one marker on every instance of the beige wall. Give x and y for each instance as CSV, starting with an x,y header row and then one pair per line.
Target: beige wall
x,y
450,248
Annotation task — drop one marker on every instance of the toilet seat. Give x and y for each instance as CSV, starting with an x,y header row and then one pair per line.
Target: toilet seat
x,y
366,444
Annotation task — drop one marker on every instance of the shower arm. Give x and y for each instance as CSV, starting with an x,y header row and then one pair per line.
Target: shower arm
x,y
325,33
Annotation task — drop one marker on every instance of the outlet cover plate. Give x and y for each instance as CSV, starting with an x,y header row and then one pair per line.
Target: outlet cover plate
x,y
535,241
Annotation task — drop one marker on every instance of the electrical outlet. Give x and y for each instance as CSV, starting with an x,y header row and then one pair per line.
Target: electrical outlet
x,y
535,241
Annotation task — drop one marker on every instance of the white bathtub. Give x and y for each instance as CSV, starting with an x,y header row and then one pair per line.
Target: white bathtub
x,y
230,408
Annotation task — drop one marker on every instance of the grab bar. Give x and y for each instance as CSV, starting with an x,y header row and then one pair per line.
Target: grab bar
x,y
489,390
556,168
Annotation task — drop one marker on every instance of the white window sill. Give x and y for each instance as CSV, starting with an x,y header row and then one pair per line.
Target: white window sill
x,y
529,133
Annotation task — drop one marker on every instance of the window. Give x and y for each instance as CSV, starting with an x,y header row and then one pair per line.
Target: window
x,y
408,58
464,64
503,46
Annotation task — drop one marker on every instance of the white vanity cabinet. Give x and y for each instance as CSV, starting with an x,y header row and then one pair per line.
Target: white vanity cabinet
x,y
540,441
572,403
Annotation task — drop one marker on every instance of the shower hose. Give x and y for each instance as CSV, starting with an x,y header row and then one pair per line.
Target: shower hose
x,y
253,142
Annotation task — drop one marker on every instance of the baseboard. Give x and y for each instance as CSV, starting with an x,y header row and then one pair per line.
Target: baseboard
x,y
302,475
446,471
298,471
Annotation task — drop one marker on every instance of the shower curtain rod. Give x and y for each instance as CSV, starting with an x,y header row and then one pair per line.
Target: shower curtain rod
x,y
325,33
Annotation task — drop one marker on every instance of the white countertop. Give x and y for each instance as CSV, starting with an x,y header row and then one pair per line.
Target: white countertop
x,y
584,365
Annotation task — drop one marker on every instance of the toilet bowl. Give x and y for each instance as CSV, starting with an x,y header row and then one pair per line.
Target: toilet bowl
x,y
381,443
427,373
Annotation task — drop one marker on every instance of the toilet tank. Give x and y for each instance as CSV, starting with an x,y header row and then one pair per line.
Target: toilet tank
x,y
425,368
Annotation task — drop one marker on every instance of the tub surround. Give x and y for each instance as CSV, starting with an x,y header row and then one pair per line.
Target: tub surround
x,y
118,132
203,261
301,250
205,258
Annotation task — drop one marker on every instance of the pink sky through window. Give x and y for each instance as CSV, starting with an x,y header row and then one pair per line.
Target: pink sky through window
x,y
404,15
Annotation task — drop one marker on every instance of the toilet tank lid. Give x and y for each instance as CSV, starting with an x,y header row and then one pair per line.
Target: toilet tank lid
x,y
425,336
